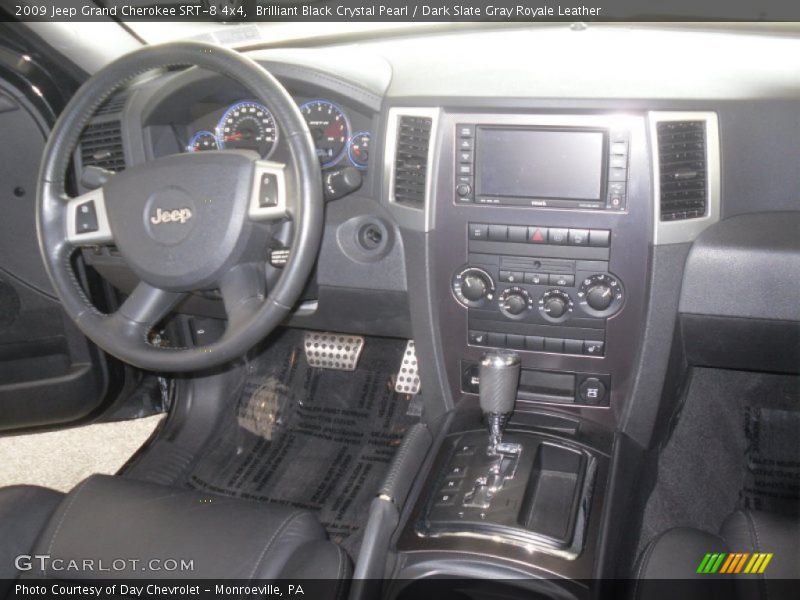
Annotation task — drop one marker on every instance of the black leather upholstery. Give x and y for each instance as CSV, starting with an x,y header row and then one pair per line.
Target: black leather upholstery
x,y
676,554
755,531
24,511
107,518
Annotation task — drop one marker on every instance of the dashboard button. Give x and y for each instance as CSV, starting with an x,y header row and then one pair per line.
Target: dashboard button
x,y
498,233
617,174
466,131
558,236
600,238
517,233
619,148
517,342
497,340
553,345
537,235
478,338
534,342
478,231
593,348
536,278
465,169
561,280
511,276
618,162
592,391
465,144
465,156
573,346
578,237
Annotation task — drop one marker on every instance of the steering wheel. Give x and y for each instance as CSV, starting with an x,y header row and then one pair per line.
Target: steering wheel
x,y
186,222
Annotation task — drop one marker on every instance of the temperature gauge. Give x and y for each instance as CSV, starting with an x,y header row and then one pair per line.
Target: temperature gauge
x,y
202,140
358,149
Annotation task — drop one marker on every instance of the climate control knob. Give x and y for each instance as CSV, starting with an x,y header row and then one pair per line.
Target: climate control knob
x,y
473,286
515,302
555,305
601,295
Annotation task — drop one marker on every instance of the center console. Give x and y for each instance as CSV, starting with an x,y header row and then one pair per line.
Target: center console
x,y
539,230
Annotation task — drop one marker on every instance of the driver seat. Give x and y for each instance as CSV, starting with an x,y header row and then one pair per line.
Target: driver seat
x,y
108,518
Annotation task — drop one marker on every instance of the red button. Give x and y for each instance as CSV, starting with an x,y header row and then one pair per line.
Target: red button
x,y
537,235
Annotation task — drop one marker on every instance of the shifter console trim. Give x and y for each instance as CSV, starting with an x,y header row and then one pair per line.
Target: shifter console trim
x,y
538,500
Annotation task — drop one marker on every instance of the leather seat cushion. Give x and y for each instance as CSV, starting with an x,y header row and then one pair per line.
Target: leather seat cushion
x,y
756,531
224,538
24,511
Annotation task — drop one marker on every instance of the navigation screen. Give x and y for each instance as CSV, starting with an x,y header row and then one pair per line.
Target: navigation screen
x,y
539,163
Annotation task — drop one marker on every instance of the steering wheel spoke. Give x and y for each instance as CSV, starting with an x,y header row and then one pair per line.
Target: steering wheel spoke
x,y
269,194
87,220
144,308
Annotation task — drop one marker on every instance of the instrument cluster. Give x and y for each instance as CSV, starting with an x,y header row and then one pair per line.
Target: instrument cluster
x,y
250,125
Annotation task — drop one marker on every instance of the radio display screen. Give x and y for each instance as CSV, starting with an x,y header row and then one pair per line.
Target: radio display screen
x,y
540,163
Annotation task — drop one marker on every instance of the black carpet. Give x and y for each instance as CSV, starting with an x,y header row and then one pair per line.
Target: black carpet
x,y
736,445
312,438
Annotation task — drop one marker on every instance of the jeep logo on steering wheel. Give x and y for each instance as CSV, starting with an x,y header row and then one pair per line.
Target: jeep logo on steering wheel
x,y
178,215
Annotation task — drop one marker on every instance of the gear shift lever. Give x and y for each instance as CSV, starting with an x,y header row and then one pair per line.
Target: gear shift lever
x,y
499,378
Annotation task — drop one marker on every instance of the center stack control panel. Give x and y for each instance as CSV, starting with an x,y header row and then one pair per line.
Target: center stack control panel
x,y
538,288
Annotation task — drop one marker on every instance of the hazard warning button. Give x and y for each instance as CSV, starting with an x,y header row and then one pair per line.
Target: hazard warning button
x,y
537,235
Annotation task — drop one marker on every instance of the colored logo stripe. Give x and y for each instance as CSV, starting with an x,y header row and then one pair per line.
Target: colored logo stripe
x,y
722,562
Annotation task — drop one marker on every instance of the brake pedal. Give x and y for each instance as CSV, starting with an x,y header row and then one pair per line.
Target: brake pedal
x,y
333,350
407,379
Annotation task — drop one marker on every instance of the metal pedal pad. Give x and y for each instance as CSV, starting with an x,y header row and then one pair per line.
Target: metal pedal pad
x,y
333,350
407,379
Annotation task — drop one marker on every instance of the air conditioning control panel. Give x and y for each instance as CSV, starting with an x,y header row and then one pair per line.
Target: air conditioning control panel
x,y
536,291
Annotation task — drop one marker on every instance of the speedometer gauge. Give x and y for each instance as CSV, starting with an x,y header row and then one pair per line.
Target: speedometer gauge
x,y
329,129
248,126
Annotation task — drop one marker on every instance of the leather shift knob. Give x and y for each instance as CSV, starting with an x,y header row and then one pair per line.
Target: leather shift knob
x,y
499,379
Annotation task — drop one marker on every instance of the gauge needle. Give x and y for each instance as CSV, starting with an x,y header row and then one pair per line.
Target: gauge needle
x,y
233,137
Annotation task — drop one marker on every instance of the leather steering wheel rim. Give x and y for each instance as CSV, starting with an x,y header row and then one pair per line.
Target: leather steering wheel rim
x,y
124,333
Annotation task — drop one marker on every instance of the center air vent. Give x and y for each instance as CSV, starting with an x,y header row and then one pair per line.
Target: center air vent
x,y
112,105
411,159
683,170
101,146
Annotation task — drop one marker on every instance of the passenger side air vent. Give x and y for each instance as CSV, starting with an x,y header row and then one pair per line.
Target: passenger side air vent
x,y
101,146
683,170
411,159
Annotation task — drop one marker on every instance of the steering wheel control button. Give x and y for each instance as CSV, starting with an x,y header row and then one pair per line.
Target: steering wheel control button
x,y
86,217
593,348
592,391
268,192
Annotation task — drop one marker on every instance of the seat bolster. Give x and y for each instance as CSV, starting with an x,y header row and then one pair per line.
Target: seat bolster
x,y
24,511
321,560
757,531
114,518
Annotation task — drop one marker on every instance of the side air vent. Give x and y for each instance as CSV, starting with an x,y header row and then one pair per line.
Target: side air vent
x,y
683,169
101,146
112,105
411,159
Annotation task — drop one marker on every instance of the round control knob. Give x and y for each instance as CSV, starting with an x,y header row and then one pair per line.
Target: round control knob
x,y
600,295
514,302
473,286
555,304
463,190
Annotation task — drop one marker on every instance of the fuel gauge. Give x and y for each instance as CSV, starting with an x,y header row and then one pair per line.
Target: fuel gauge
x,y
358,149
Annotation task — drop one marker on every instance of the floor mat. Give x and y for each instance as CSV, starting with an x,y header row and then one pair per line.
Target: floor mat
x,y
772,477
312,438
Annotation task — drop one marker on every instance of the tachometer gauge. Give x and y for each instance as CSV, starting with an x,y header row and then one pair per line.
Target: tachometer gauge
x,y
202,140
248,126
358,149
329,129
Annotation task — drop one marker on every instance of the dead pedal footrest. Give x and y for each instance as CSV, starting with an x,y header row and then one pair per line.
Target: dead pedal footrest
x,y
407,378
333,350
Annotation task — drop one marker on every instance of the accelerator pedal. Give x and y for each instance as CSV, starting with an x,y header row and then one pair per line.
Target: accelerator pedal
x,y
333,350
407,379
